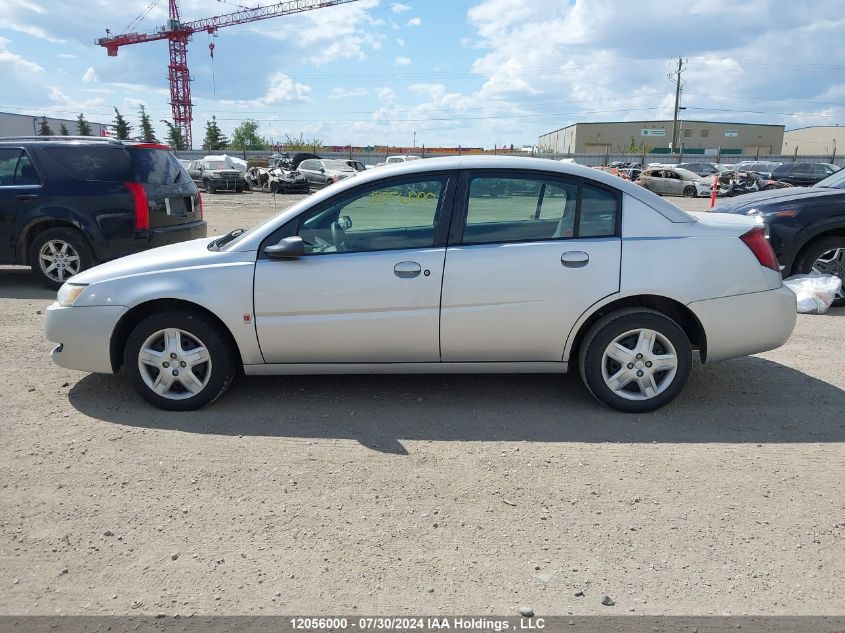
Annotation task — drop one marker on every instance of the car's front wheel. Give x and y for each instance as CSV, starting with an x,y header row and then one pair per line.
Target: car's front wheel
x,y
179,361
635,360
209,187
827,257
689,192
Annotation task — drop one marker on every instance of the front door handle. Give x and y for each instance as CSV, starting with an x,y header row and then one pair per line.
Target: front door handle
x,y
406,270
26,196
574,259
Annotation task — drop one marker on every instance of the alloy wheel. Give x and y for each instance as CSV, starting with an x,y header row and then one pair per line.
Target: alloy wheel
x,y
174,363
58,260
639,364
832,262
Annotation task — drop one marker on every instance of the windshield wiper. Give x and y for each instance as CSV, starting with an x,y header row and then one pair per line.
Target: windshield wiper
x,y
222,241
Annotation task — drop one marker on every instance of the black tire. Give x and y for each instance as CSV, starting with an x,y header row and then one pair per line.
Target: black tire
x,y
614,325
209,187
689,192
816,249
223,358
239,189
274,187
769,187
73,238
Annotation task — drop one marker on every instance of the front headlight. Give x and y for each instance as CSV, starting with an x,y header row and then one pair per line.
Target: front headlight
x,y
69,293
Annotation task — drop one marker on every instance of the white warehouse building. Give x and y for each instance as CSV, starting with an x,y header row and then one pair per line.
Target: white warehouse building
x,y
28,124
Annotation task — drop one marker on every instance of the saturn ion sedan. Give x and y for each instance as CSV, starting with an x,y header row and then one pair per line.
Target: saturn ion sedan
x,y
472,264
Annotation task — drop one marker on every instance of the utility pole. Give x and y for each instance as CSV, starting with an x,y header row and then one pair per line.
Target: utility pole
x,y
677,76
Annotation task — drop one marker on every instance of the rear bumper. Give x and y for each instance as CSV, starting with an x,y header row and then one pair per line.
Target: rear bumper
x,y
83,335
152,238
746,324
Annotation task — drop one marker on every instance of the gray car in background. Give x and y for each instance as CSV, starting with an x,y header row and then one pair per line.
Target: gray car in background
x,y
216,175
322,172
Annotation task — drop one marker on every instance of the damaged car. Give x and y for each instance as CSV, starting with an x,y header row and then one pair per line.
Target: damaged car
x,y
276,180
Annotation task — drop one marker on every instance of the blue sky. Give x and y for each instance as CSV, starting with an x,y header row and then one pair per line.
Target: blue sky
x,y
472,72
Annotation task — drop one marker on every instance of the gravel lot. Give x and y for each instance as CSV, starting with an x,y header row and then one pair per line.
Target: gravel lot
x,y
435,494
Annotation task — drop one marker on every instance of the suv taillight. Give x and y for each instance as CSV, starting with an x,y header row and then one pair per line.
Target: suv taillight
x,y
199,201
756,240
142,205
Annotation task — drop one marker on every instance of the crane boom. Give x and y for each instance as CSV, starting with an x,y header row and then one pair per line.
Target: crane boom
x,y
178,34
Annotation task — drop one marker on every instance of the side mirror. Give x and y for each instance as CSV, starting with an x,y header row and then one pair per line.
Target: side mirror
x,y
288,248
344,222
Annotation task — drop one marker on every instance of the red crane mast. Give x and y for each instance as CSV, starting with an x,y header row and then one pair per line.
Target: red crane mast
x,y
179,33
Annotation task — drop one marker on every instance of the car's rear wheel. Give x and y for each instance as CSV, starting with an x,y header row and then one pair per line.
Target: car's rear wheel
x,y
827,257
58,254
635,360
689,192
179,361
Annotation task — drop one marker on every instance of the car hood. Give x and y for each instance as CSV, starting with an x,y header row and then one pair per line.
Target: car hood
x,y
775,196
170,257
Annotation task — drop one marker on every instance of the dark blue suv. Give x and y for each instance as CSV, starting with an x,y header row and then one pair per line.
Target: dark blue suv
x,y
805,225
67,203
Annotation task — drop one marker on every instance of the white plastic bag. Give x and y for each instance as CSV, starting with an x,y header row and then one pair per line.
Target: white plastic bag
x,y
815,292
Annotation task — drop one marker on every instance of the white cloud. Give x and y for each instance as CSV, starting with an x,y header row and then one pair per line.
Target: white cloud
x,y
17,62
400,8
414,22
400,41
29,29
66,56
342,93
386,94
90,75
402,61
281,90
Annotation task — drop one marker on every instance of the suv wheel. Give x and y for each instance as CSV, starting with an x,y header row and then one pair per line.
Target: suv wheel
x,y
209,187
179,361
827,256
635,360
59,253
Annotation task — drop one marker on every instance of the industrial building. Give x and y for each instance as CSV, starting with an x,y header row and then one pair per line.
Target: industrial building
x,y
818,140
694,137
28,124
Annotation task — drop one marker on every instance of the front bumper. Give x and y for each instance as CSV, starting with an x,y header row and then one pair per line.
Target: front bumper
x,y
228,184
746,324
84,336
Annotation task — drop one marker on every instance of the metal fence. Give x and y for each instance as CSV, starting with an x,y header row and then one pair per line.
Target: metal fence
x,y
590,160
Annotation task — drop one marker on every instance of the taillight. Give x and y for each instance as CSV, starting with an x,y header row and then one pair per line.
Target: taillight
x,y
142,205
756,240
199,201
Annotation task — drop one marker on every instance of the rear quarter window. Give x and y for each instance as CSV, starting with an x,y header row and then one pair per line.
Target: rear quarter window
x,y
108,163
157,167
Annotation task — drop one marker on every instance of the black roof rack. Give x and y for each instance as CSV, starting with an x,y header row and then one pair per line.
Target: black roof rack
x,y
104,139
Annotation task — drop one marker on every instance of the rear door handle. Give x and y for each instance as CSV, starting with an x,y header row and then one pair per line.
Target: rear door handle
x,y
406,270
26,196
574,259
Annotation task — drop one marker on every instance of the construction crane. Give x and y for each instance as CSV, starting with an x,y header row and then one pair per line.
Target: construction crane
x,y
179,33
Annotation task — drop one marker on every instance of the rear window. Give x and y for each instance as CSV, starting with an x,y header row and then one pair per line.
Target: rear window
x,y
93,163
157,167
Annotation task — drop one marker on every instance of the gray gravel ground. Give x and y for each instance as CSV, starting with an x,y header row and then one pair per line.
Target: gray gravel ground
x,y
438,494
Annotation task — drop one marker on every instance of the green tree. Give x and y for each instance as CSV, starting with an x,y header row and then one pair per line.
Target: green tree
x,y
245,137
63,129
302,144
44,127
82,126
121,127
640,148
148,134
175,137
214,137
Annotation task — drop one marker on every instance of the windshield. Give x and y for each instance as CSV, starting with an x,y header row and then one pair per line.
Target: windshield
x,y
216,164
834,181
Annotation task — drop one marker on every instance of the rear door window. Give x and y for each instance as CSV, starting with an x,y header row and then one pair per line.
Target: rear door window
x,y
8,164
25,174
109,162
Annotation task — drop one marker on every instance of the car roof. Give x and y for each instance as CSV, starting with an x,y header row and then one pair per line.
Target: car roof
x,y
92,141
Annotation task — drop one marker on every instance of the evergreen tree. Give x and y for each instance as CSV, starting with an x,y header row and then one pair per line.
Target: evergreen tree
x,y
214,138
63,129
82,126
121,127
175,138
44,128
148,134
